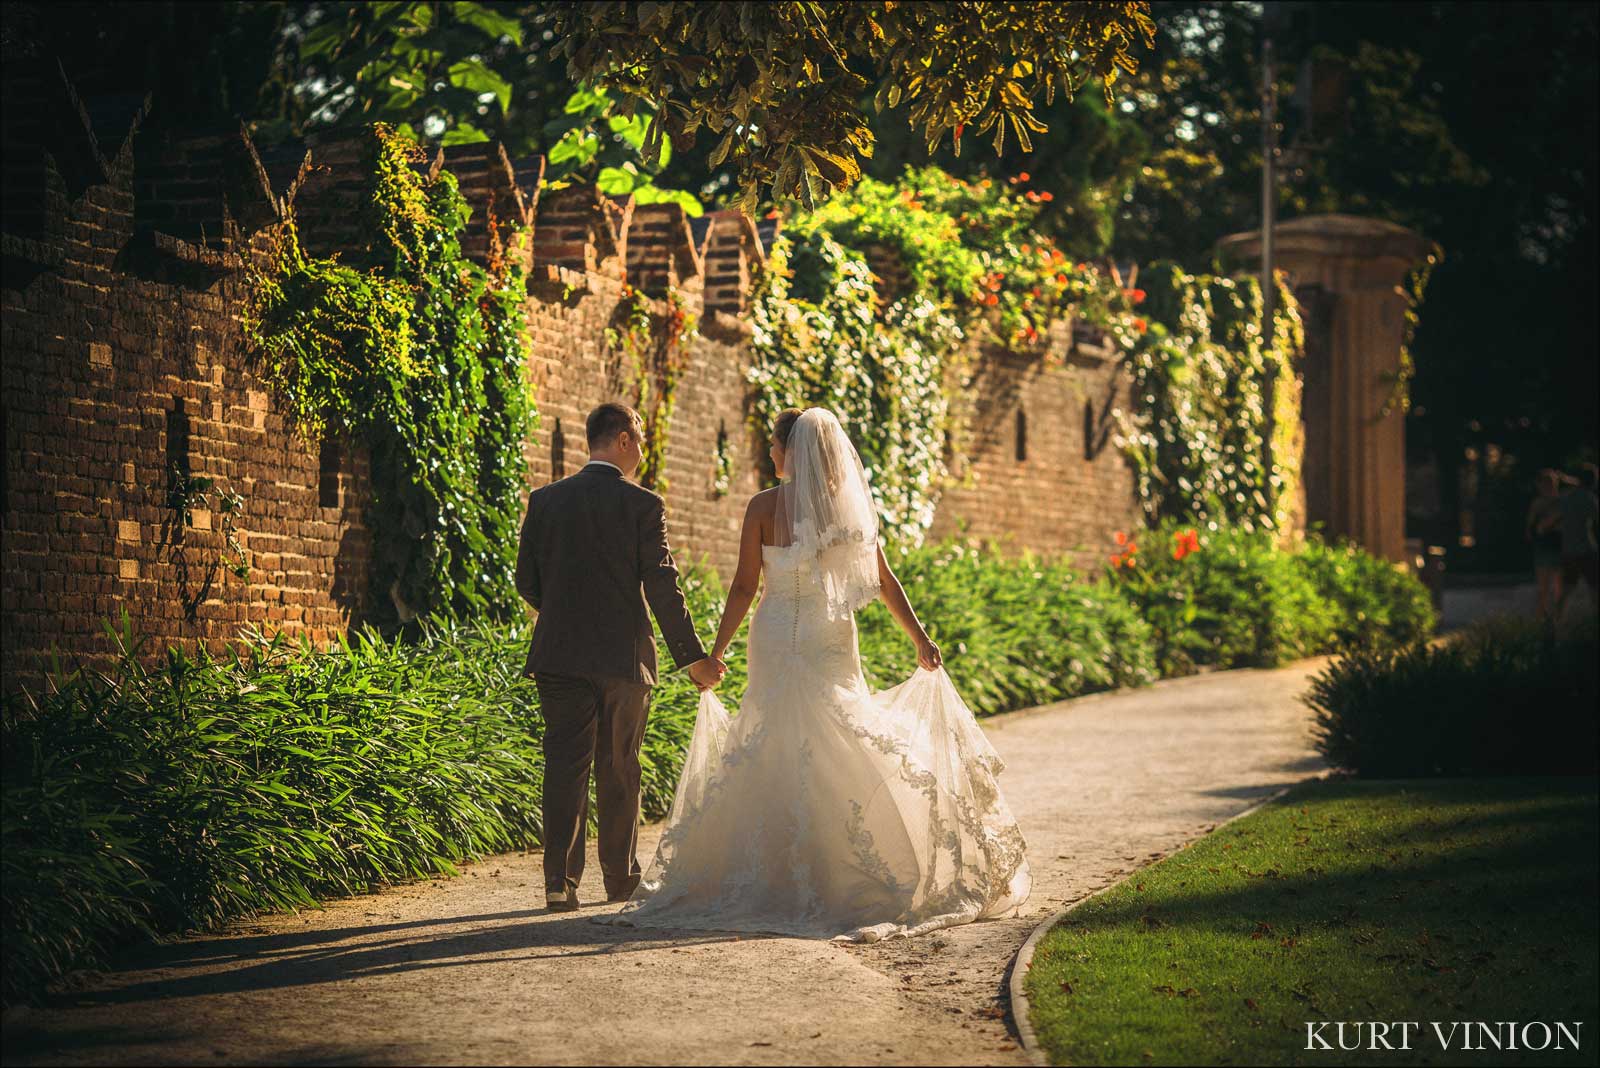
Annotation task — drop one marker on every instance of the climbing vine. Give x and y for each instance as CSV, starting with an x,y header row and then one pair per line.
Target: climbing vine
x,y
1415,287
1212,433
657,349
828,332
823,337
416,351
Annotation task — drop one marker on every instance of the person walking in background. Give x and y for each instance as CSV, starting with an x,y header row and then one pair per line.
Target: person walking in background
x,y
1543,529
1580,552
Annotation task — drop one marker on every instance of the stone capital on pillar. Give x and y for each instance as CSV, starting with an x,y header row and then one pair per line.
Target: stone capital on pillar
x,y
1354,469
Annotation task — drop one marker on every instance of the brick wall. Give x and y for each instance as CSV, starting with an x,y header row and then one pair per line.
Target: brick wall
x,y
123,352
121,356
1042,472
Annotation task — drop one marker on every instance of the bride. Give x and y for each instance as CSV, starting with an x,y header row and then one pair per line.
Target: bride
x,y
822,809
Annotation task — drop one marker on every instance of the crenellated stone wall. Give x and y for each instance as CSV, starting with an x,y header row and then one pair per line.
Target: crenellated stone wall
x,y
123,355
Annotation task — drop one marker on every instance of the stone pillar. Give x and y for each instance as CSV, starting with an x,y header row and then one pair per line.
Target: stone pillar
x,y
1351,269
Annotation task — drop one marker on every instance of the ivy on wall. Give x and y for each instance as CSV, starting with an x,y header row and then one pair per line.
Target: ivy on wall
x,y
823,337
1214,430
1213,433
827,332
658,353
417,352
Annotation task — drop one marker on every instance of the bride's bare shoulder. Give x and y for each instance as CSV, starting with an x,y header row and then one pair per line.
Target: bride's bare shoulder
x,y
764,502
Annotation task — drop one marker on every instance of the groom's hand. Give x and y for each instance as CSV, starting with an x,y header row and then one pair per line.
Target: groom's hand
x,y
707,673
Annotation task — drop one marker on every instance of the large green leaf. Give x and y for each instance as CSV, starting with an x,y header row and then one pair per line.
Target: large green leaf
x,y
473,75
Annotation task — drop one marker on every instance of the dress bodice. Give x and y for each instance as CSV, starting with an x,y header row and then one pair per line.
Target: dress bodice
x,y
792,622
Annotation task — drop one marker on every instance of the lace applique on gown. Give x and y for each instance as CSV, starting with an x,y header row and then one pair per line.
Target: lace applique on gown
x,y
824,810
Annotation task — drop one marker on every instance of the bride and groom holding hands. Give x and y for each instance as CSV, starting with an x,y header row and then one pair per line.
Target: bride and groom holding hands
x,y
823,809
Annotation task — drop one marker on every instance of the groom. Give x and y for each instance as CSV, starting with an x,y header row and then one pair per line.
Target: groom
x,y
591,544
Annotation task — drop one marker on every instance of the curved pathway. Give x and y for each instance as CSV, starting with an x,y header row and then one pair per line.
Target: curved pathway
x,y
472,970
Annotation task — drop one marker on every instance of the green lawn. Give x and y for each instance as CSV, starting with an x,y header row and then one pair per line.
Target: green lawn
x,y
1424,900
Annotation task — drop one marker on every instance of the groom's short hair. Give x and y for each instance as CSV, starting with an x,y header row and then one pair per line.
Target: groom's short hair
x,y
609,420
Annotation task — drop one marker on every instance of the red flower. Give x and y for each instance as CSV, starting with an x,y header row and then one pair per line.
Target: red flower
x,y
1034,291
1122,538
992,298
1137,296
1186,542
1033,335
1140,325
1047,195
1023,177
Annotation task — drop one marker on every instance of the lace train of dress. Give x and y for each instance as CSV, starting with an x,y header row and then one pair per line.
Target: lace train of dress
x,y
824,810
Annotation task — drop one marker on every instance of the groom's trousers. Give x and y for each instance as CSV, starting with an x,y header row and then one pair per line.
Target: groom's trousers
x,y
599,722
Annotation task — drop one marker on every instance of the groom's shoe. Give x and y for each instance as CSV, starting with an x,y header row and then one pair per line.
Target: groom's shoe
x,y
561,900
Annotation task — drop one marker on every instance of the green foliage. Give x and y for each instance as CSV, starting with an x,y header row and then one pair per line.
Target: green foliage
x,y
1506,698
428,69
417,352
1223,598
1015,631
779,84
1212,431
825,335
1378,603
657,348
823,338
590,144
974,248
140,802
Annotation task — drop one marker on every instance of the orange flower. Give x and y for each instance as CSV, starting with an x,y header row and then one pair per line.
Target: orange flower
x,y
992,298
1061,279
1034,291
1137,296
1023,177
1047,195
1121,536
1140,325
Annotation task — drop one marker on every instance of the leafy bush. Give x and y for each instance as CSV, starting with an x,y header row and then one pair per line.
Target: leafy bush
x,y
1377,602
1505,698
1224,598
1016,632
148,801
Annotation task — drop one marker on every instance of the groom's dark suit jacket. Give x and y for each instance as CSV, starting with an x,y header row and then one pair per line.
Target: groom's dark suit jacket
x,y
593,551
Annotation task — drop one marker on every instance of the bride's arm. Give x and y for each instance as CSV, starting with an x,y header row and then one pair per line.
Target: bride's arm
x,y
746,580
894,597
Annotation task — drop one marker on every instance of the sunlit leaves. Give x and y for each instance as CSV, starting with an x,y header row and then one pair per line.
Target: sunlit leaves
x,y
778,83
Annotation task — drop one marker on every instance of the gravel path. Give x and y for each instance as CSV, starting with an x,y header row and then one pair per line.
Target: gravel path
x,y
472,970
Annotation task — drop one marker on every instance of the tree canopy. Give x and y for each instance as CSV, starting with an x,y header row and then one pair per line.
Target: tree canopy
x,y
778,85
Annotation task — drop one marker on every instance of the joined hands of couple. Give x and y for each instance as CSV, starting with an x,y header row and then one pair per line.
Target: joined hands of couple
x,y
707,673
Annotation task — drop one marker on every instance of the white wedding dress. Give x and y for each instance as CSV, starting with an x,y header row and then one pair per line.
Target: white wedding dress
x,y
824,810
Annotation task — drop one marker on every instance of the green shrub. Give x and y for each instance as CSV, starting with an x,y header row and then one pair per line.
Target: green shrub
x,y
144,801
1504,698
1015,632
1377,602
1227,598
